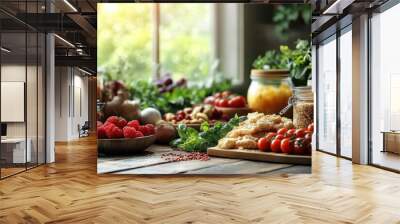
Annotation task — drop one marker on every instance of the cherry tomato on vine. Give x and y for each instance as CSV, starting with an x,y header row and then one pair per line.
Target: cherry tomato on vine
x,y
263,144
279,136
276,145
308,136
282,131
299,146
287,145
270,135
300,133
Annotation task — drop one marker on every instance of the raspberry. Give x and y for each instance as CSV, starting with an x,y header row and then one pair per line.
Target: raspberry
x,y
139,134
151,129
114,132
129,132
108,125
134,123
145,130
101,132
113,119
121,123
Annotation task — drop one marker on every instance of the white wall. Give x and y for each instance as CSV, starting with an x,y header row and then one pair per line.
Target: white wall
x,y
71,102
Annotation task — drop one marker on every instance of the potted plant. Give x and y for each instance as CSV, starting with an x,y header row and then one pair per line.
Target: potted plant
x,y
298,62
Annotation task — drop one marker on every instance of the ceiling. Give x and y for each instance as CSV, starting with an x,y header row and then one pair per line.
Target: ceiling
x,y
74,22
329,15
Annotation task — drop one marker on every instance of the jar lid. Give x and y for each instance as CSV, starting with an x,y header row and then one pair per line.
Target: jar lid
x,y
270,73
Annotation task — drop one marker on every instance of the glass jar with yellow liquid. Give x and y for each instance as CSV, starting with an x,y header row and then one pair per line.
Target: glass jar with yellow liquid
x,y
269,90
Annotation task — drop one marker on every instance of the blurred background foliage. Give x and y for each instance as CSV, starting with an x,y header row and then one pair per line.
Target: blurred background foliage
x,y
286,16
125,39
125,33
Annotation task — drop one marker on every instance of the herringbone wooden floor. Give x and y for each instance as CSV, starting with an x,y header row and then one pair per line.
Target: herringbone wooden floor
x,y
70,191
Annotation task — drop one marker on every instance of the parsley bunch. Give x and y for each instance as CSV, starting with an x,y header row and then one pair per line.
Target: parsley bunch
x,y
191,140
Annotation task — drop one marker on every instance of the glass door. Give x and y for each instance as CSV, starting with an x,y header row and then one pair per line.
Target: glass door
x,y
14,153
326,97
22,78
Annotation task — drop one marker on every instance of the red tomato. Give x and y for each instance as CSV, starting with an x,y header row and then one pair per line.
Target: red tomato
x,y
279,136
287,145
276,145
299,146
223,103
282,131
179,117
181,113
237,102
308,136
310,127
270,135
263,144
291,132
300,133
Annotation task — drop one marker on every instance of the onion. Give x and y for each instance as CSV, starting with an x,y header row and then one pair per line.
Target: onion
x,y
150,116
165,132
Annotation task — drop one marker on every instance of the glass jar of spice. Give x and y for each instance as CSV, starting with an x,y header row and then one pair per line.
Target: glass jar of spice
x,y
303,106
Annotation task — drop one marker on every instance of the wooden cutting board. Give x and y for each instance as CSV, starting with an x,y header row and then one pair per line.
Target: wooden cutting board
x,y
251,154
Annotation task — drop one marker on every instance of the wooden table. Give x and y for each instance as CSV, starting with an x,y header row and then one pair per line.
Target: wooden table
x,y
391,141
152,162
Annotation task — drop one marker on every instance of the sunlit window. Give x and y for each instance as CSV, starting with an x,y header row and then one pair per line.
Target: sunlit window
x,y
125,40
185,40
130,48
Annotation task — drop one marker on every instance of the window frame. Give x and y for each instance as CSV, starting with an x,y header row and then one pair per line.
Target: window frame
x,y
216,35
332,33
25,30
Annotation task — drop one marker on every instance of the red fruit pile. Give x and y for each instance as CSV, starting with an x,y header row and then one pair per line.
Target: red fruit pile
x,y
293,141
117,127
226,99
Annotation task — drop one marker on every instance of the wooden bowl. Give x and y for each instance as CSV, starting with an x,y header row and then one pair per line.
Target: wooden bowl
x,y
230,111
125,145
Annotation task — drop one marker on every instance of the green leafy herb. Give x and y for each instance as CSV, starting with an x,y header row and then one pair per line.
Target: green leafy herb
x,y
150,96
287,15
299,62
191,140
271,60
